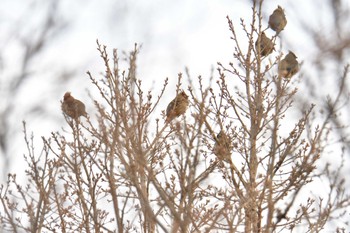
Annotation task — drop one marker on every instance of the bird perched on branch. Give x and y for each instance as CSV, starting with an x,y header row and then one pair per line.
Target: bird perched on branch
x,y
72,107
288,66
277,20
177,106
223,146
266,45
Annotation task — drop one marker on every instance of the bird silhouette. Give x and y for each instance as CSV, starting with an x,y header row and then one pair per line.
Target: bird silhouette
x,y
277,20
288,66
72,107
266,45
223,146
177,106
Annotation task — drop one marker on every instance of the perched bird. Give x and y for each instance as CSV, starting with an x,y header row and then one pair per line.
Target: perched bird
x,y
277,20
177,106
73,107
266,45
288,66
223,146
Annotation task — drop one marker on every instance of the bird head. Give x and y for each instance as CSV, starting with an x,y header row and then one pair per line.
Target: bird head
x,y
291,55
183,94
66,95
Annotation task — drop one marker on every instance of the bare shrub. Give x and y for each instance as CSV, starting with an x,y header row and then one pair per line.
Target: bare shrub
x,y
127,169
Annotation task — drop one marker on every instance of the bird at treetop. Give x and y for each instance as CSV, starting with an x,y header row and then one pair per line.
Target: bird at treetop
x,y
177,106
72,107
223,146
266,45
288,66
277,20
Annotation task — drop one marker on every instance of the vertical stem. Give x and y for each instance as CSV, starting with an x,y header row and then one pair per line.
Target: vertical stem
x,y
270,174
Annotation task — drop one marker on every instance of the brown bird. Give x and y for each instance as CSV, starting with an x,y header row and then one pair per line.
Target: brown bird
x,y
266,45
177,106
223,146
288,66
73,107
277,20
